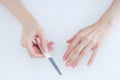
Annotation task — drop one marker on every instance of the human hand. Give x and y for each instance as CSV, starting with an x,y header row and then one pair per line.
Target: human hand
x,y
87,39
30,31
31,28
92,37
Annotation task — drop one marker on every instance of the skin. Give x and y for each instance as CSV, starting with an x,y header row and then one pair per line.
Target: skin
x,y
30,29
92,37
87,39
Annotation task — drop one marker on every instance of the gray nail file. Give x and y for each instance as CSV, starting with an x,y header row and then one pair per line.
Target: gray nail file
x,y
49,57
54,64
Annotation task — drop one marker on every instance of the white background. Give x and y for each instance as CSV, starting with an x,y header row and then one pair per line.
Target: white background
x,y
61,19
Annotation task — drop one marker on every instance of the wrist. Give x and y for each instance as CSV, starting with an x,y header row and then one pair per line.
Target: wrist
x,y
30,22
105,24
109,22
27,20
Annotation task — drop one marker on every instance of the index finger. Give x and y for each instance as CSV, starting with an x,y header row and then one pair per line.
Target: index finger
x,y
43,41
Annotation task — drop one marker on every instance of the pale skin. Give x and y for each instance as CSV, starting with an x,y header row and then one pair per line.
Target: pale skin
x,y
92,37
30,29
87,39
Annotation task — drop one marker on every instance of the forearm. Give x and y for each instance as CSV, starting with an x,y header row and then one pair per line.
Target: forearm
x,y
112,15
19,10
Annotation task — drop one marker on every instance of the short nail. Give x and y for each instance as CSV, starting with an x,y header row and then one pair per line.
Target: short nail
x,y
73,65
64,58
41,55
89,64
68,64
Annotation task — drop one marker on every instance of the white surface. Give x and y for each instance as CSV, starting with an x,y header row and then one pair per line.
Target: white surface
x,y
60,19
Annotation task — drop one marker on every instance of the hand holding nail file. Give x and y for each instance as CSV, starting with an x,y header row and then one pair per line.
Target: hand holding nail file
x,y
48,56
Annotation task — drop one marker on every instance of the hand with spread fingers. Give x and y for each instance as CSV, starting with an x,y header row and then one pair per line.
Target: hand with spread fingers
x,y
91,37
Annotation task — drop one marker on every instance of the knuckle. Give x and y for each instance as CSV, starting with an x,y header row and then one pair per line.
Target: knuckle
x,y
76,51
82,53
70,59
77,39
93,42
81,34
86,38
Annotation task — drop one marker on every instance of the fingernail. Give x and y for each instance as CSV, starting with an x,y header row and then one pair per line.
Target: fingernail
x,y
67,64
73,65
89,64
41,56
64,58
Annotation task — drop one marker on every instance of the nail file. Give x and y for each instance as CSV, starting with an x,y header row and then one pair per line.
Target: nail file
x,y
49,57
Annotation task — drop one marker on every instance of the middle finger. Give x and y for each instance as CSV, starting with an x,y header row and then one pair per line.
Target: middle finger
x,y
76,52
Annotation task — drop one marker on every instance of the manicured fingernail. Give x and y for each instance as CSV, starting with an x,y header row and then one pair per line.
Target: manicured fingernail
x,y
67,64
64,58
41,56
73,65
89,64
